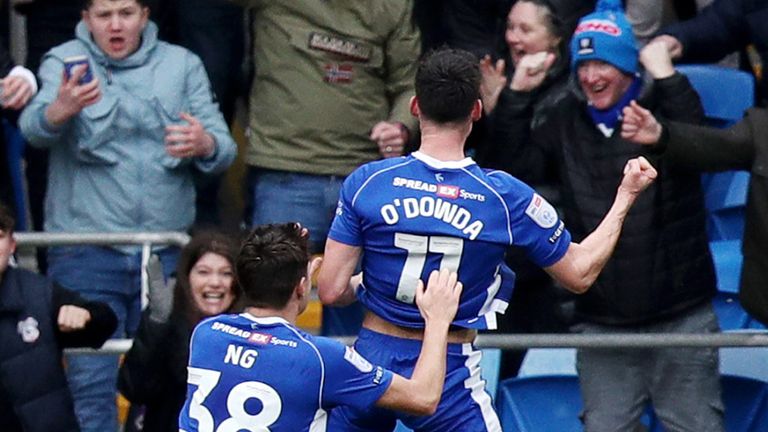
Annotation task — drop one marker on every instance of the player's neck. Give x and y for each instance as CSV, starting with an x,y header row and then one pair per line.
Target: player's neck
x,y
288,313
443,143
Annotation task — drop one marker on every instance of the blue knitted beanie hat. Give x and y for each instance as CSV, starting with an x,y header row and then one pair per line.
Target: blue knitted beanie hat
x,y
605,35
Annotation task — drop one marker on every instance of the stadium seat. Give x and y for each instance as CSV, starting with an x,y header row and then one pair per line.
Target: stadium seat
x,y
728,259
540,403
725,94
746,404
490,365
548,361
545,403
748,362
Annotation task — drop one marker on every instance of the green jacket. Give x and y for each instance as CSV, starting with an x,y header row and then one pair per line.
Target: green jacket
x,y
325,73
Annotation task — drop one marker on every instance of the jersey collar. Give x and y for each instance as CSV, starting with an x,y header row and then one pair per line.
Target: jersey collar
x,y
264,320
434,163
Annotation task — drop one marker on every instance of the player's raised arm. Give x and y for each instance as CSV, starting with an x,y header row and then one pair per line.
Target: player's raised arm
x,y
584,261
438,303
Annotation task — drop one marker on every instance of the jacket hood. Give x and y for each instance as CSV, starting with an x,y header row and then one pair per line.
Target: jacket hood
x,y
148,43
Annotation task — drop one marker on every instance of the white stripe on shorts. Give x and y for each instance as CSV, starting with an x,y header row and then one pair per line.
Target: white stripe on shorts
x,y
476,385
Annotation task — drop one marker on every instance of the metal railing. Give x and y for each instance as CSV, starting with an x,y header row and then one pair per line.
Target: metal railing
x,y
144,239
485,340
522,341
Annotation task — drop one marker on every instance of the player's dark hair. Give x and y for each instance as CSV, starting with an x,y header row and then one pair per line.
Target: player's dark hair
x,y
448,85
7,221
202,243
273,259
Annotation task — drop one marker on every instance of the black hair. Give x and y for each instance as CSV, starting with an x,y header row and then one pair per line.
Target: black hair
x,y
7,220
272,260
448,85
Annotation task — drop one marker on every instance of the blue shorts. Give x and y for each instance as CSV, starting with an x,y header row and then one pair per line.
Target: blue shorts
x,y
464,406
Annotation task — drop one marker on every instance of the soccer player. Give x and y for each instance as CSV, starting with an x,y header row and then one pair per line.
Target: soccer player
x,y
436,209
257,372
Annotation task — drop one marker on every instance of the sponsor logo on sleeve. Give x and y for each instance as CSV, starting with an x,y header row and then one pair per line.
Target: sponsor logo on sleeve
x,y
357,360
558,232
378,376
541,212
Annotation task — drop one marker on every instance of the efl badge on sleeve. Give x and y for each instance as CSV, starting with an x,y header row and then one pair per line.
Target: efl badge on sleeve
x,y
28,329
357,360
541,212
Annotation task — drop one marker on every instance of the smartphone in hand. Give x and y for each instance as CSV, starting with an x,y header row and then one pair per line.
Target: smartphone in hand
x,y
71,62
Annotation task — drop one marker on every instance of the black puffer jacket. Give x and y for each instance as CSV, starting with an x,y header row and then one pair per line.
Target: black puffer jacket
x,y
661,265
34,396
154,373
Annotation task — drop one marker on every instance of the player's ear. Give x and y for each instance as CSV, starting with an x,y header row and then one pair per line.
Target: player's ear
x,y
414,104
477,110
303,288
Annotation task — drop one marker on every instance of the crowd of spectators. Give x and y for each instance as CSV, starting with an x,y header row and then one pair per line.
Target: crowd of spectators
x,y
140,138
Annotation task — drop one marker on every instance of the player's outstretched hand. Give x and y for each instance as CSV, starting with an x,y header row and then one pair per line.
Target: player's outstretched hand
x,y
440,300
638,175
639,125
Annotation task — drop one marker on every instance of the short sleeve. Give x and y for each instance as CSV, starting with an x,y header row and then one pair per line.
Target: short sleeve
x,y
349,378
536,226
346,226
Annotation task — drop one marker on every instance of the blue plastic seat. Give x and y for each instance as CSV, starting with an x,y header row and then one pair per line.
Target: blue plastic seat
x,y
747,362
548,361
553,403
725,94
545,403
540,403
746,404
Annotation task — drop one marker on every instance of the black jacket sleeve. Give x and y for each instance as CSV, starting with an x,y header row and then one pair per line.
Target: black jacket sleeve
x,y
719,29
676,99
143,375
101,326
707,148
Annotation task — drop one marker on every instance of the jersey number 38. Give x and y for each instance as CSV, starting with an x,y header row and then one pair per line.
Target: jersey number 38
x,y
239,419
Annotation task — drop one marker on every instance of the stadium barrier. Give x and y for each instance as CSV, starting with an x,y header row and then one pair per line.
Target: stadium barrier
x,y
144,239
485,340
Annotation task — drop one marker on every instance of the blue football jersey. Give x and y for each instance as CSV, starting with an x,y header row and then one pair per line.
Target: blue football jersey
x,y
415,214
258,374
